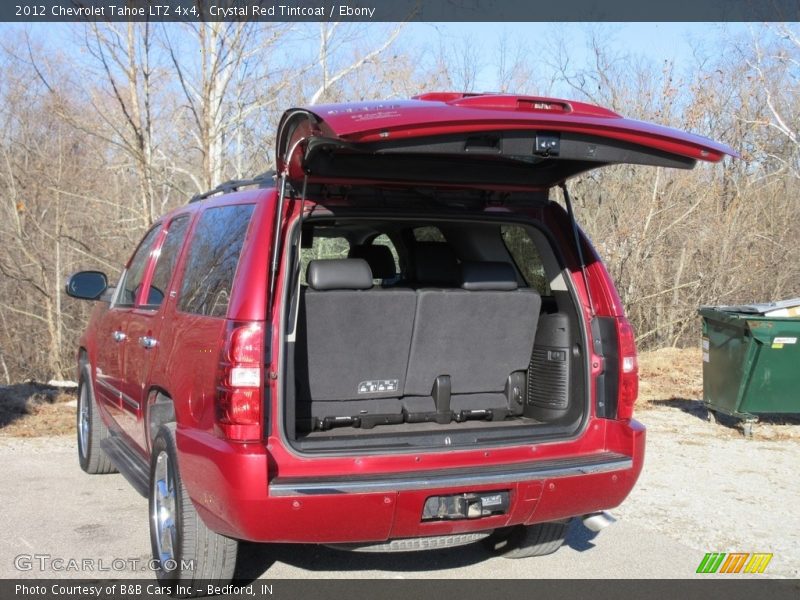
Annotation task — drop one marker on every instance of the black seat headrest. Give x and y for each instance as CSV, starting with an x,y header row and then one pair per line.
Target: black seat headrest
x,y
488,276
435,264
339,274
378,257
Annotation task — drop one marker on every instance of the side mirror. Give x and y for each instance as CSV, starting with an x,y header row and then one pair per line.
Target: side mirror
x,y
87,285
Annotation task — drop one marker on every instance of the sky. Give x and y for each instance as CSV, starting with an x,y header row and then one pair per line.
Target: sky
x,y
655,41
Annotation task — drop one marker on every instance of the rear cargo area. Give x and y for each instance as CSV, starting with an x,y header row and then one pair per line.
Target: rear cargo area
x,y
405,330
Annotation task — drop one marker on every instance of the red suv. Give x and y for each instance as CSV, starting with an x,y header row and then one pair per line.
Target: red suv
x,y
398,341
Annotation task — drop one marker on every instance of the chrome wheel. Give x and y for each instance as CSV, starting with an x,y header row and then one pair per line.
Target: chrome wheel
x,y
83,421
184,550
163,510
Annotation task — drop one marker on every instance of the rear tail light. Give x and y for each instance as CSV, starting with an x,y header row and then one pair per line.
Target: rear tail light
x,y
628,369
621,380
240,381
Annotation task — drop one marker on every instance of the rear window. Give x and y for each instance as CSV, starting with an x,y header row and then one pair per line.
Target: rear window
x,y
526,256
213,258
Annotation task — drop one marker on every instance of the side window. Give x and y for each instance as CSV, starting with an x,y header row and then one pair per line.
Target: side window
x,y
212,260
526,256
322,247
132,280
166,260
383,240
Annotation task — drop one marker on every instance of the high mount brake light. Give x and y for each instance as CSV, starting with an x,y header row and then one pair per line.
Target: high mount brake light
x,y
500,101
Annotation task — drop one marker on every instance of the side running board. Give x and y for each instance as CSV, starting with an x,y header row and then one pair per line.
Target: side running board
x,y
130,465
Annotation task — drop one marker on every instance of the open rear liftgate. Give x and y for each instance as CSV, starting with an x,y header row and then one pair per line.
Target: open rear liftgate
x,y
458,141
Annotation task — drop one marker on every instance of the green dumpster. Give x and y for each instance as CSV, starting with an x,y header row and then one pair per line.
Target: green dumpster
x,y
751,361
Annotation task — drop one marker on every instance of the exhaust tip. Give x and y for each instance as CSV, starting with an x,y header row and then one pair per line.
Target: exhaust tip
x,y
598,521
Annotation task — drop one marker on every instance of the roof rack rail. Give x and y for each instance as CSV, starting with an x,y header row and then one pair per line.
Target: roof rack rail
x,y
264,180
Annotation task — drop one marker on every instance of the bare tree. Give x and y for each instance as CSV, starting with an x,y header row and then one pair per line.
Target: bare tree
x,y
124,55
229,84
40,154
330,45
514,69
773,61
95,145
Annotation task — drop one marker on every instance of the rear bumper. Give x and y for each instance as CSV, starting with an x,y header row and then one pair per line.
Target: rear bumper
x,y
229,485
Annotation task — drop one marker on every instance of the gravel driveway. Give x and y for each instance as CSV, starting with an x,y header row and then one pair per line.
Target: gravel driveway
x,y
704,488
705,485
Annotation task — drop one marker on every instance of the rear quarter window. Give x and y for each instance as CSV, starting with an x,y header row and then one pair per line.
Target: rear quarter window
x,y
429,233
526,257
212,260
383,240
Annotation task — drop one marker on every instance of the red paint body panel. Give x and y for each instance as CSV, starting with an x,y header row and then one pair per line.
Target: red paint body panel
x,y
141,323
231,489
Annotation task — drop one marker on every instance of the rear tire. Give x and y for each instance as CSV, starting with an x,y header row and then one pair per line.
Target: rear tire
x,y
524,541
185,550
90,429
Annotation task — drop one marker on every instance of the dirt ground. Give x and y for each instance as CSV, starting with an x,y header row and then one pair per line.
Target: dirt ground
x,y
36,409
704,484
672,378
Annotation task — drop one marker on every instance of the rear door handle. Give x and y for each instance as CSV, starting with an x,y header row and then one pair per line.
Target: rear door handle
x,y
148,342
119,336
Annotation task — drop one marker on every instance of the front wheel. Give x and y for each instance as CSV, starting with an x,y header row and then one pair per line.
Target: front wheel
x,y
523,541
91,429
185,550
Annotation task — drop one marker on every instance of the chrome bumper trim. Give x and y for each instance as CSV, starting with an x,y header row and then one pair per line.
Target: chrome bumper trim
x,y
431,480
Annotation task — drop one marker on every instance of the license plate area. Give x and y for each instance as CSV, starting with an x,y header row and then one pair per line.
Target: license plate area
x,y
470,505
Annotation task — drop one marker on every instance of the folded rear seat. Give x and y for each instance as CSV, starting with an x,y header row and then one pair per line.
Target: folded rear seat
x,y
471,347
357,341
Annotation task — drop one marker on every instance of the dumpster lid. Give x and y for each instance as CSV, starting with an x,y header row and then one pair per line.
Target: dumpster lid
x,y
780,308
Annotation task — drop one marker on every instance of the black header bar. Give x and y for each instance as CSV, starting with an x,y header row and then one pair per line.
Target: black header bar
x,y
400,10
